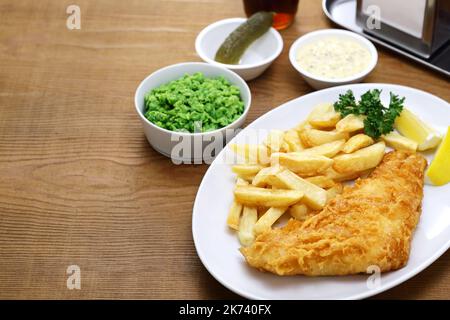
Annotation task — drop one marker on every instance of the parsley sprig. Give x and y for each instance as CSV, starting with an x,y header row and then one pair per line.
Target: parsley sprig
x,y
379,119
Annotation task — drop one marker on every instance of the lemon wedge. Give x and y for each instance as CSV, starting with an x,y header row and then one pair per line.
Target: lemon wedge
x,y
438,172
410,126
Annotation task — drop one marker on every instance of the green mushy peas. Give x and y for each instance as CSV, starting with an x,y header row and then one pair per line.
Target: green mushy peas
x,y
194,103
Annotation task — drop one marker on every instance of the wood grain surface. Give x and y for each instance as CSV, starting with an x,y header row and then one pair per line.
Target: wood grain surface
x,y
79,183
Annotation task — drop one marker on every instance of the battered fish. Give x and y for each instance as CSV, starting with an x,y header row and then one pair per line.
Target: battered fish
x,y
370,223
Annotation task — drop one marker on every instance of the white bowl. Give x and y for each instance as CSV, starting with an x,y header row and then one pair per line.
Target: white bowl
x,y
169,142
320,82
256,59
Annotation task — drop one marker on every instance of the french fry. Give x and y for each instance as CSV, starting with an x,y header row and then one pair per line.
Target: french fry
x,y
247,177
266,176
321,181
399,142
314,137
334,191
302,125
299,211
252,154
284,147
236,208
274,140
329,149
292,139
363,159
303,164
357,142
241,182
268,219
340,177
246,225
314,196
350,123
246,169
234,215
261,210
254,196
324,116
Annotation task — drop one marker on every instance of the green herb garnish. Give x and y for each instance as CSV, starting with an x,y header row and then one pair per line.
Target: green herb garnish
x,y
379,119
194,103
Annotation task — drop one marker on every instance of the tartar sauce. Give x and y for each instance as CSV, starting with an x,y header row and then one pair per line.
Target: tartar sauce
x,y
333,58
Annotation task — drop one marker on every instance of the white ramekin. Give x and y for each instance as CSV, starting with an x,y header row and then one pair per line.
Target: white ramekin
x,y
164,141
256,59
320,82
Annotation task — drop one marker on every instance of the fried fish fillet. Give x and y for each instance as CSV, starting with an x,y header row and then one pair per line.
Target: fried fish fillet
x,y
370,223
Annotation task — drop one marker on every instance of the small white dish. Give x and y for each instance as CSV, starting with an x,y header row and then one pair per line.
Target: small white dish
x,y
163,140
256,59
320,82
218,246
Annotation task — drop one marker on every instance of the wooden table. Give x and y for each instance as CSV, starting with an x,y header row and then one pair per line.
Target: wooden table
x,y
79,184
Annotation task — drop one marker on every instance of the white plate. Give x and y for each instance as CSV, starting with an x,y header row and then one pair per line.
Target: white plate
x,y
217,246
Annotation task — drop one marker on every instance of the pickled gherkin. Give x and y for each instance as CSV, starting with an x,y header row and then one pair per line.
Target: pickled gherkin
x,y
234,46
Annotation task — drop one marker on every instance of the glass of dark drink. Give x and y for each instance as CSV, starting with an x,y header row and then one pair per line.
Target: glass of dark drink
x,y
285,10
